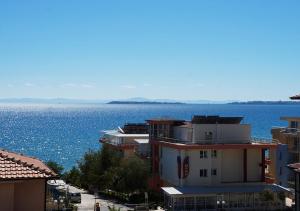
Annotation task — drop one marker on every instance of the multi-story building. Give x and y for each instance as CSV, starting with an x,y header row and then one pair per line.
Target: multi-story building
x,y
290,136
295,167
211,162
132,139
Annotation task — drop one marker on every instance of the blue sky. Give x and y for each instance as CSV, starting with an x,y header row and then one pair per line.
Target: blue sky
x,y
215,50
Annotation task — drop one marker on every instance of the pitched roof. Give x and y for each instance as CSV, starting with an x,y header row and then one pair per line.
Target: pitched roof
x,y
17,166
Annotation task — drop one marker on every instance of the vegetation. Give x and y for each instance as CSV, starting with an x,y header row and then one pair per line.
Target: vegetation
x,y
57,168
105,171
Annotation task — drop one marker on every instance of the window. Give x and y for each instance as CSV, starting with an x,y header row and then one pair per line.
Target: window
x,y
294,124
161,170
203,172
280,171
208,135
213,153
214,172
203,154
280,156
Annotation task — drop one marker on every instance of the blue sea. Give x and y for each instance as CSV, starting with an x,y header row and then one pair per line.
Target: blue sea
x,y
63,133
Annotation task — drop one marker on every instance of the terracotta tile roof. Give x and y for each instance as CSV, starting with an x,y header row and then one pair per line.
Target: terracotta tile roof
x,y
17,166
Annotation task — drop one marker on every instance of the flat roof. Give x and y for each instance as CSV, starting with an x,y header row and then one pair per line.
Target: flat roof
x,y
116,133
142,141
223,189
197,119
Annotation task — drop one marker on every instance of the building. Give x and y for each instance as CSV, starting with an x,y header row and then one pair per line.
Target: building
x,y
132,139
211,162
23,182
290,136
295,167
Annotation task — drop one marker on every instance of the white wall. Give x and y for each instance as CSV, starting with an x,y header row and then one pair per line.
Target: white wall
x,y
168,160
182,133
222,133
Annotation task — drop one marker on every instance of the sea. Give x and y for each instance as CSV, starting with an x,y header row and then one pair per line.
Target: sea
x,y
63,133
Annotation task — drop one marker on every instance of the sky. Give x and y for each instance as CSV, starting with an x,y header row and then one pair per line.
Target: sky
x,y
185,50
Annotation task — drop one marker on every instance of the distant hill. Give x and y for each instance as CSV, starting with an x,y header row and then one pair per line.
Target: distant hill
x,y
266,103
142,102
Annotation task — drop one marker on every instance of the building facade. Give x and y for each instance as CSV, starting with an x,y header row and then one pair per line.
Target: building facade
x,y
132,139
23,182
289,136
208,156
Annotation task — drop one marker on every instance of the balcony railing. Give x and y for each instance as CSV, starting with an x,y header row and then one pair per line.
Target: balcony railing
x,y
217,141
264,140
287,130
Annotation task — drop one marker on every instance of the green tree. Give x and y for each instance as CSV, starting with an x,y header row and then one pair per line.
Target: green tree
x,y
54,166
133,175
90,168
73,177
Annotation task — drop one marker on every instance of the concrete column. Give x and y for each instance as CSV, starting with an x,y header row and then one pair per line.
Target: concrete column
x,y
245,165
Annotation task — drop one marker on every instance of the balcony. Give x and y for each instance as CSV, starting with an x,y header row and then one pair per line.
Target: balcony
x,y
269,178
286,130
119,143
268,161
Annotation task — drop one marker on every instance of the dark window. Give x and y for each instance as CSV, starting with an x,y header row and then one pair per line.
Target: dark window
x,y
214,172
203,154
280,171
280,155
203,172
294,124
214,153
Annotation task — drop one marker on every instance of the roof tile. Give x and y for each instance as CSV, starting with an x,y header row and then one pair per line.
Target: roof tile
x,y
13,165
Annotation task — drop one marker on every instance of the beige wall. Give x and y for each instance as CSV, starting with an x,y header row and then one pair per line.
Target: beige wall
x,y
232,165
229,164
253,165
222,133
23,195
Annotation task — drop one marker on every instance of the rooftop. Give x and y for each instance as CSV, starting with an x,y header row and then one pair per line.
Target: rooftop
x,y
295,167
17,166
216,120
117,133
223,189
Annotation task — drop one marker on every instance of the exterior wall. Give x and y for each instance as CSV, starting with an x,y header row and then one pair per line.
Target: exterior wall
x,y
229,164
209,163
23,195
168,165
278,167
222,133
232,166
290,137
29,195
7,196
128,152
253,165
183,133
143,149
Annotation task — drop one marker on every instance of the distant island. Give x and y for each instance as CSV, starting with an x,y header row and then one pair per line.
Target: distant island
x,y
142,102
266,103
